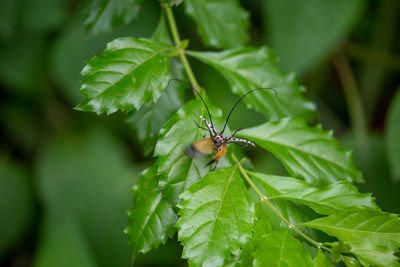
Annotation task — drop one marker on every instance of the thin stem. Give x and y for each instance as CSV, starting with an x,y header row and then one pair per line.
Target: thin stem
x,y
353,98
175,36
265,199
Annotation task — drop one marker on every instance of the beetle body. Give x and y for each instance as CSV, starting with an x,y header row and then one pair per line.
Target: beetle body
x,y
216,142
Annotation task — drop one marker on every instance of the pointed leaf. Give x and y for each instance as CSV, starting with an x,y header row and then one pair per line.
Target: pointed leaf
x,y
216,218
129,73
161,34
248,68
308,153
373,236
178,171
104,15
280,248
221,23
392,133
329,200
321,261
261,227
148,121
152,219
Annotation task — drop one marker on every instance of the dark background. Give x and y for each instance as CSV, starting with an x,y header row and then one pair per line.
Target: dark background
x,y
65,175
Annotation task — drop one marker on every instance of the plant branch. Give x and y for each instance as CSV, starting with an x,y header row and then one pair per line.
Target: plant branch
x,y
175,36
353,98
265,199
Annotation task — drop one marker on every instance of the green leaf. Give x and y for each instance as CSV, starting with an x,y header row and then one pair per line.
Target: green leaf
x,y
216,218
129,73
321,261
104,15
392,133
249,68
177,170
221,23
280,248
148,121
350,261
373,236
304,33
308,153
161,34
261,227
152,219
331,199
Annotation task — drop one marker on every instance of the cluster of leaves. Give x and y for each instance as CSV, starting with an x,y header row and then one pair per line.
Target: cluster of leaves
x,y
220,219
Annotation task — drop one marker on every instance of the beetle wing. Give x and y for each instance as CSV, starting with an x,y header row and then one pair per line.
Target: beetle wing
x,y
219,155
200,148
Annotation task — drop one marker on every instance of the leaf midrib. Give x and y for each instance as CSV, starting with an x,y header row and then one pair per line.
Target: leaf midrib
x,y
132,69
303,152
151,214
218,210
324,226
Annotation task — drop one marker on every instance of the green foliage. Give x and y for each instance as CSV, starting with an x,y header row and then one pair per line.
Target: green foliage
x,y
152,218
321,261
231,22
279,248
371,234
104,15
307,153
331,199
216,215
178,171
148,121
128,73
249,68
392,136
214,212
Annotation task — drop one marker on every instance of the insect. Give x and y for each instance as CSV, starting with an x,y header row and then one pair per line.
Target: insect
x,y
216,142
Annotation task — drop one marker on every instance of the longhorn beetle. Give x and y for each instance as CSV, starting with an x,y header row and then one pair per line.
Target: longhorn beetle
x,y
216,142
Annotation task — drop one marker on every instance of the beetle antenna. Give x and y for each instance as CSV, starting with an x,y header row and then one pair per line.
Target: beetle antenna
x,y
240,99
209,114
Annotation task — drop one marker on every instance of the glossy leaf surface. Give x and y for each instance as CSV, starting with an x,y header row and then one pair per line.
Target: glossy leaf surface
x,y
148,121
104,15
261,227
372,235
177,170
280,248
229,22
249,68
152,219
321,261
216,218
129,73
333,198
308,153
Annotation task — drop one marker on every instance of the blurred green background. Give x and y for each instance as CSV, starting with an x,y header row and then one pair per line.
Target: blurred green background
x,y
65,176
